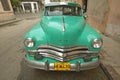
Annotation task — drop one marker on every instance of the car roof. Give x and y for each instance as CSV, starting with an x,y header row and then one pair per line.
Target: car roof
x,y
62,3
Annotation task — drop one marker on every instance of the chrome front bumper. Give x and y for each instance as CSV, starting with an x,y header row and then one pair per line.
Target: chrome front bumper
x,y
50,66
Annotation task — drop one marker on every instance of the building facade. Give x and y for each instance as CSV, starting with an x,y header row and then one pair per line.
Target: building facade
x,y
31,5
6,11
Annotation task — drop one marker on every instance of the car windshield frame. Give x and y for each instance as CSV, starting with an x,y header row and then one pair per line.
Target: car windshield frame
x,y
61,10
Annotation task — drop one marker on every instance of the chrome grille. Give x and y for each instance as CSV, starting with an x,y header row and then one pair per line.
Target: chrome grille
x,y
64,53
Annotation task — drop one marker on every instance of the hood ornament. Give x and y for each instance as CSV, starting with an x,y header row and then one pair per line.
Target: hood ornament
x,y
64,28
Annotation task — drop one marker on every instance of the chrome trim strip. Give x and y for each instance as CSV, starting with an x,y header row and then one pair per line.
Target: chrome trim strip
x,y
64,28
41,65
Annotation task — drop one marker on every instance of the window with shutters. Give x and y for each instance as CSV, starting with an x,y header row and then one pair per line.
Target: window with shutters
x,y
5,5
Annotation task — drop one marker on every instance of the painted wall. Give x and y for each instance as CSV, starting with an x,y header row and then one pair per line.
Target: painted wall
x,y
6,15
1,8
106,15
113,24
98,9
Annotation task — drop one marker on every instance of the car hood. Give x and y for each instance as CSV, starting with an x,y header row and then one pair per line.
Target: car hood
x,y
62,30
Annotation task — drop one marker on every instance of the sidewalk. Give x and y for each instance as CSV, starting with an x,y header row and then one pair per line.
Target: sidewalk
x,y
21,16
9,21
27,15
110,56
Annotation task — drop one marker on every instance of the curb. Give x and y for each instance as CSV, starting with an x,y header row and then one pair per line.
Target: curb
x,y
8,22
106,72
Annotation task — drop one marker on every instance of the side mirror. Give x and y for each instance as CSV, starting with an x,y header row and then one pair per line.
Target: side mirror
x,y
85,16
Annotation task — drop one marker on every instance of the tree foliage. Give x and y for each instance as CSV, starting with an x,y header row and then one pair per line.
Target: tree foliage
x,y
15,3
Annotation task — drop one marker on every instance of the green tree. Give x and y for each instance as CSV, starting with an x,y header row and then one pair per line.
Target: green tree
x,y
15,3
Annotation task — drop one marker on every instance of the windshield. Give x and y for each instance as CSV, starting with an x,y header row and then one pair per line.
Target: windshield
x,y
62,10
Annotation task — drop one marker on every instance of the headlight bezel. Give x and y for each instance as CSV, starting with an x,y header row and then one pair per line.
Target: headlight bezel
x,y
29,42
97,43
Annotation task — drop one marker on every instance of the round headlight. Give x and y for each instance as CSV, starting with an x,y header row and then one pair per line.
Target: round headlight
x,y
29,42
97,43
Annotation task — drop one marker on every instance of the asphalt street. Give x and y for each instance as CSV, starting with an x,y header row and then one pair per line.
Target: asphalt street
x,y
12,66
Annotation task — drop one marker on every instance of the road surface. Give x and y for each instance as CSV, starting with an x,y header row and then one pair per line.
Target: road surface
x,y
12,52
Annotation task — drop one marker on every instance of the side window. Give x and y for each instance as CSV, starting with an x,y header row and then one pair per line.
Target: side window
x,y
45,11
79,11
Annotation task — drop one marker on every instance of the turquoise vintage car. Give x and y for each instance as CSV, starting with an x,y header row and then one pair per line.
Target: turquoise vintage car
x,y
62,40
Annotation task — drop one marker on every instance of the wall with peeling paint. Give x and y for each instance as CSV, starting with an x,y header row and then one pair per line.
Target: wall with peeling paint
x,y
106,14
113,24
98,9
